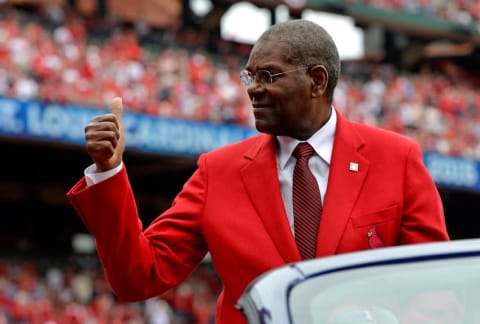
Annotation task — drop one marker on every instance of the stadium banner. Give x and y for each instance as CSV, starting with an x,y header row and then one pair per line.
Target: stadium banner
x,y
66,123
453,172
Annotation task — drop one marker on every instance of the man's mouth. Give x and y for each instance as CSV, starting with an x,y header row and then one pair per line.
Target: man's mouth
x,y
258,105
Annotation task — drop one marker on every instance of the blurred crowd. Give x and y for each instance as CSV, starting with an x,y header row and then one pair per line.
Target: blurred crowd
x,y
438,106
39,292
63,64
465,12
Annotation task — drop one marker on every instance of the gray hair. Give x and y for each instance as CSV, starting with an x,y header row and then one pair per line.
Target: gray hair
x,y
309,44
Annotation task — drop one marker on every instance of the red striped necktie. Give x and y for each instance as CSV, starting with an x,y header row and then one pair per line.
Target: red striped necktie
x,y
307,203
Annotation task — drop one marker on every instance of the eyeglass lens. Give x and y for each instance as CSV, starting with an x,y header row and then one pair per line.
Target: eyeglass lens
x,y
261,76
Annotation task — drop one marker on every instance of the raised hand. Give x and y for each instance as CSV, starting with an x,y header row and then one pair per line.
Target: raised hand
x,y
105,137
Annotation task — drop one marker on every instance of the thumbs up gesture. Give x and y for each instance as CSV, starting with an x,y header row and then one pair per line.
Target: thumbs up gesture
x,y
105,137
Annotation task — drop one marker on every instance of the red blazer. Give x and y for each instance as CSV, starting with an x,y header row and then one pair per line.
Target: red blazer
x,y
232,207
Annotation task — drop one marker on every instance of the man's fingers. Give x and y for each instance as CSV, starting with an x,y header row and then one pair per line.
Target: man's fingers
x,y
105,137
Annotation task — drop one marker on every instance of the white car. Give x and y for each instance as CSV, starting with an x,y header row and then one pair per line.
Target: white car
x,y
429,283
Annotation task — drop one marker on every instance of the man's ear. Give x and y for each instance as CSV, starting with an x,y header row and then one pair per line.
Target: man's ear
x,y
319,77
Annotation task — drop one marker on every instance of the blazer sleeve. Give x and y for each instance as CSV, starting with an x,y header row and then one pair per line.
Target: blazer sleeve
x,y
423,217
141,264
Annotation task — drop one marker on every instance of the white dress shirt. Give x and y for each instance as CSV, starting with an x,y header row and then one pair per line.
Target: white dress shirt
x,y
319,163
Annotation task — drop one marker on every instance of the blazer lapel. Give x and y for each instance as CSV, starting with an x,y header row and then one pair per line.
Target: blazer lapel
x,y
260,177
348,170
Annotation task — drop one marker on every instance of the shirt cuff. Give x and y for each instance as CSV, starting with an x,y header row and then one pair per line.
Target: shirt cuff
x,y
93,177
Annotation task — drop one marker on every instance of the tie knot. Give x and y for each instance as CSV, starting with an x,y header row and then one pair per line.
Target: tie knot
x,y
303,150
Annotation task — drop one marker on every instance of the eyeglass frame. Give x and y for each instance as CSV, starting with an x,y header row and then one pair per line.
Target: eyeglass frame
x,y
247,75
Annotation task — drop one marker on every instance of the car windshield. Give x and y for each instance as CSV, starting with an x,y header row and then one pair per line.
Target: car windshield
x,y
440,291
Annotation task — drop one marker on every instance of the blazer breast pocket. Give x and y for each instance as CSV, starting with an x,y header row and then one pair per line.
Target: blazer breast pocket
x,y
380,228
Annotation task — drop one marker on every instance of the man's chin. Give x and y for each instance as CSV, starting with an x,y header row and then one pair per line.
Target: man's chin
x,y
263,127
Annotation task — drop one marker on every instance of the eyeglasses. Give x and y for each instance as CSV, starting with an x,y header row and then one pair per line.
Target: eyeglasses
x,y
263,77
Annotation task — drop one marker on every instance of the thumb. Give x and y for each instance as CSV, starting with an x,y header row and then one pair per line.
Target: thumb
x,y
116,108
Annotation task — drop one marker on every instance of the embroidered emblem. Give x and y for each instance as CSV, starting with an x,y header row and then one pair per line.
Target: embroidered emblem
x,y
353,166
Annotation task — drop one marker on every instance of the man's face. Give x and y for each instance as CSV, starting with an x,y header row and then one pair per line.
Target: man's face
x,y
286,106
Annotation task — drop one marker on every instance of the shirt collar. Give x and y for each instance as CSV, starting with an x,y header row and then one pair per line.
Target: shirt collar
x,y
321,141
